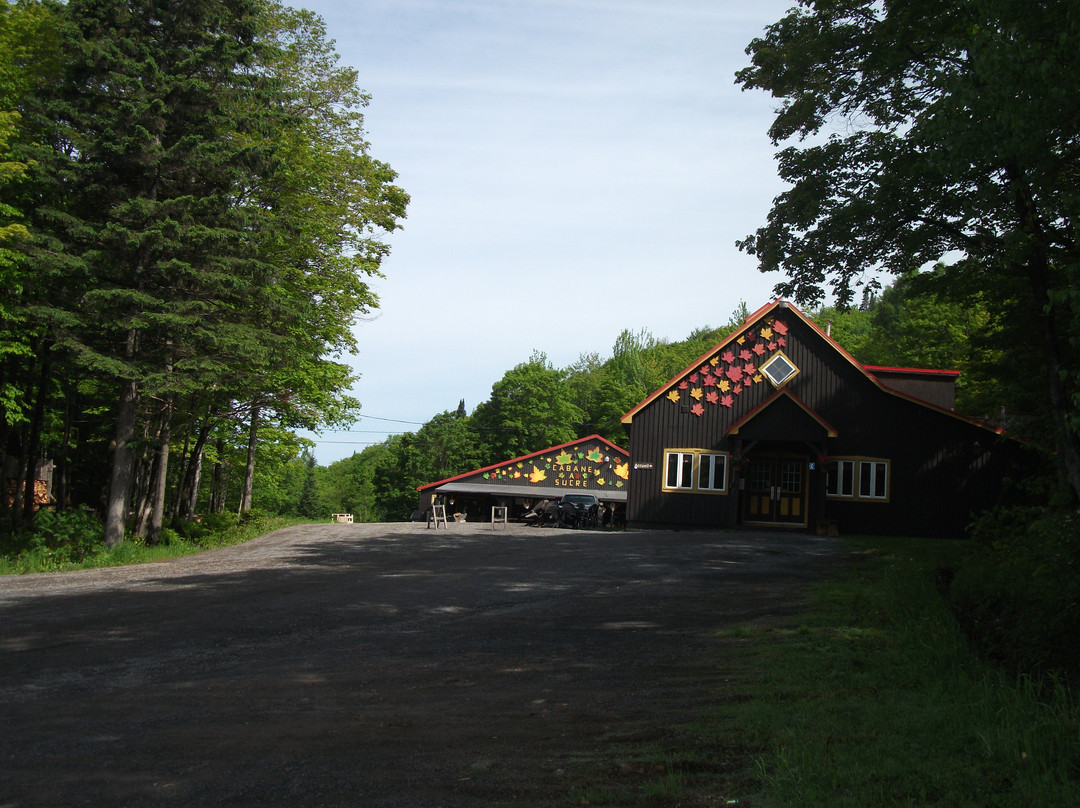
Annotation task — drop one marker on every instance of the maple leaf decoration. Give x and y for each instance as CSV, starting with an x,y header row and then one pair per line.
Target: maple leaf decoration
x,y
538,475
704,369
727,401
709,380
780,327
693,378
728,357
749,369
684,384
724,385
697,393
712,396
766,333
734,373
622,470
595,456
563,459
759,349
772,346
673,396
698,409
745,355
714,361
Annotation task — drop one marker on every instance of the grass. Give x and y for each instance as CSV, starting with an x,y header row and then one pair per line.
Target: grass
x,y
873,698
136,551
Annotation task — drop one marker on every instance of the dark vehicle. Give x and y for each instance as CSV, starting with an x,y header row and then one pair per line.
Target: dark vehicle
x,y
579,510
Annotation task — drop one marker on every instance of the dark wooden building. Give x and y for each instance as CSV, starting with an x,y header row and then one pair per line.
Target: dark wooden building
x,y
593,465
779,426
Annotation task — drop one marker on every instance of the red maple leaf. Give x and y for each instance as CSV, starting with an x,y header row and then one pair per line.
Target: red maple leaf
x,y
709,380
693,378
780,327
734,373
737,389
704,369
727,401
750,336
698,409
749,369
781,341
683,384
712,396
745,355
772,346
759,349
748,380
728,357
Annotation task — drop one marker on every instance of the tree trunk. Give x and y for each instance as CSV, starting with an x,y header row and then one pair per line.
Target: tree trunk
x,y
1037,268
217,481
123,461
33,442
161,474
193,472
249,473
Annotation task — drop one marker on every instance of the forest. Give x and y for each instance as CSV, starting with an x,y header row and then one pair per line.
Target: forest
x,y
189,216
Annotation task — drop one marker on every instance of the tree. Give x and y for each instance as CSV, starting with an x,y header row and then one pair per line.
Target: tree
x,y
530,409
926,132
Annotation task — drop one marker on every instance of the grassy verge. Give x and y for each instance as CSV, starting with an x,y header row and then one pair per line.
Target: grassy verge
x,y
870,697
874,699
57,557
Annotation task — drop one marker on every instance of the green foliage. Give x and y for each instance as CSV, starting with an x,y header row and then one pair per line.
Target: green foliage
x,y
1018,594
913,133
872,697
530,408
190,219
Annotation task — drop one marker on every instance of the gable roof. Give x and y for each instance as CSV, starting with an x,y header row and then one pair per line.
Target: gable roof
x,y
592,463
724,354
783,395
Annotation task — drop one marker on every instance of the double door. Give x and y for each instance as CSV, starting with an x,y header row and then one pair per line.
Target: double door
x,y
776,490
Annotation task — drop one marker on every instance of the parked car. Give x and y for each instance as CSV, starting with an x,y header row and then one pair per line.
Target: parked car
x,y
579,510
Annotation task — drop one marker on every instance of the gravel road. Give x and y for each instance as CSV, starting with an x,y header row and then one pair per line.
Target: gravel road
x,y
375,665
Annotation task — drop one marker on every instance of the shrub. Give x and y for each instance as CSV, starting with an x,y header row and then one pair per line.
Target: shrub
x,y
1018,595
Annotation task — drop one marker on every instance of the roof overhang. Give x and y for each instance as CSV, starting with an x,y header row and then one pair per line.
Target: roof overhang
x,y
524,491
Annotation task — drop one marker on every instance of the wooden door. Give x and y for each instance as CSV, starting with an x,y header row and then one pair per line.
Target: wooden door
x,y
776,491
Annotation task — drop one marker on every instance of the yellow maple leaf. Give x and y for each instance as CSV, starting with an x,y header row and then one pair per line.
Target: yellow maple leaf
x,y
697,393
724,385
766,333
673,396
538,475
622,470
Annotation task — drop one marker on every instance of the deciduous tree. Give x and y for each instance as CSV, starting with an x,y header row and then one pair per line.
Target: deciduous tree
x,y
921,131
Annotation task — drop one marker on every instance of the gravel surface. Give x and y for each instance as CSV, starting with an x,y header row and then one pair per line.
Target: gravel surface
x,y
376,665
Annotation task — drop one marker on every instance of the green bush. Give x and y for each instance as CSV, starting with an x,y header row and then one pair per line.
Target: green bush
x,y
1018,595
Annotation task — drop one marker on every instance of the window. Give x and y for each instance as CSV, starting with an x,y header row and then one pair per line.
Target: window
x,y
871,482
840,478
712,472
779,369
873,476
680,470
695,470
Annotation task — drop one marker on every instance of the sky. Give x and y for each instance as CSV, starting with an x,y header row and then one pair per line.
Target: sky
x,y
576,168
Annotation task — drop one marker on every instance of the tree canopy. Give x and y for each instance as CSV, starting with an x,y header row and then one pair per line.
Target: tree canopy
x,y
915,133
190,217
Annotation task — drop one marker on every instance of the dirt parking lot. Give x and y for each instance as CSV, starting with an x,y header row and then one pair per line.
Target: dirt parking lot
x,y
376,665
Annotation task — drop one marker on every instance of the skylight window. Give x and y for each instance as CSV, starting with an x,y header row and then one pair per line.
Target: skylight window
x,y
779,369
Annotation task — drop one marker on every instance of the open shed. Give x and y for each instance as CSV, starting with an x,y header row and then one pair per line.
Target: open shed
x,y
593,465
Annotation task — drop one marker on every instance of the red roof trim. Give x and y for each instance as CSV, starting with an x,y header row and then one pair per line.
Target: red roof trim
x,y
783,391
926,371
761,312
573,442
703,358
